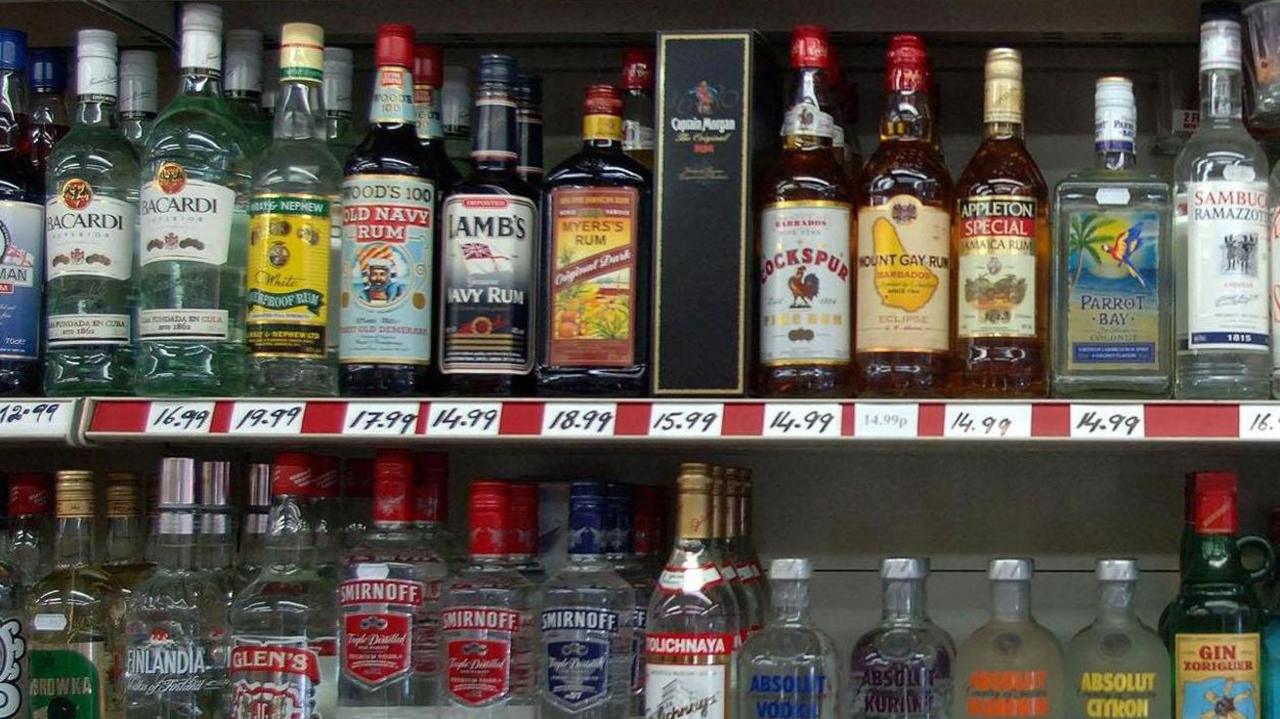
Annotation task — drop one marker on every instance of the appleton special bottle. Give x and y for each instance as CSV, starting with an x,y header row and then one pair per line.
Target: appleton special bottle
x,y
805,243
902,339
1000,252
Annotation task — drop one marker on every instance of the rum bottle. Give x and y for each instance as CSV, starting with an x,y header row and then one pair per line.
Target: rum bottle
x,y
243,87
805,243
455,115
529,128
902,339
638,133
137,96
428,74
47,121
1000,252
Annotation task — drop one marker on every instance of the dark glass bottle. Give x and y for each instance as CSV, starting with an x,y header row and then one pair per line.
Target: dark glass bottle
x,y
638,133
428,75
529,127
390,201
489,252
48,120
598,240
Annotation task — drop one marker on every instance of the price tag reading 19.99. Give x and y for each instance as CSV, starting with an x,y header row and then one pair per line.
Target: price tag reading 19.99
x,y
582,419
690,419
267,418
981,420
463,419
179,417
801,420
381,418
1108,421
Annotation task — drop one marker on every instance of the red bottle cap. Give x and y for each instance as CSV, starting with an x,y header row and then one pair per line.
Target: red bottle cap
x,y
1216,503
394,45
29,493
809,47
906,64
428,65
603,100
523,511
324,475
357,481
392,486
291,474
637,68
488,509
430,491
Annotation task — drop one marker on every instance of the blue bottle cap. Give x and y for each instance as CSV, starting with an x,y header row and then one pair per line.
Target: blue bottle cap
x,y
586,518
47,70
496,68
529,88
13,49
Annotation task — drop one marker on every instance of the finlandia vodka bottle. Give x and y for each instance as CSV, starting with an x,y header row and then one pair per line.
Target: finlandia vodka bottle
x,y
1221,234
585,659
789,668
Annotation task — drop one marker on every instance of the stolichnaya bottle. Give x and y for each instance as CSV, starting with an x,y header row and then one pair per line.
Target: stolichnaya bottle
x,y
751,615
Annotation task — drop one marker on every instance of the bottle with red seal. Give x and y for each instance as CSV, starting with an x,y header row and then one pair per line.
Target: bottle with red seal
x,y
428,76
431,506
638,133
522,545
30,525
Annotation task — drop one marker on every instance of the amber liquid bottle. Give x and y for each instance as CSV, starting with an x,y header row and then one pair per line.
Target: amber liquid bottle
x,y
902,338
804,244
1000,252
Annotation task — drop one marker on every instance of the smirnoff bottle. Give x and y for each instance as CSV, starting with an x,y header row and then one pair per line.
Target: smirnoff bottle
x,y
750,612
30,529
522,543
431,506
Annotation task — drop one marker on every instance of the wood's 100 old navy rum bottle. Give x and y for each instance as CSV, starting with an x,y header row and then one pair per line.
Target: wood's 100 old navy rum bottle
x,y
1000,251
904,244
598,238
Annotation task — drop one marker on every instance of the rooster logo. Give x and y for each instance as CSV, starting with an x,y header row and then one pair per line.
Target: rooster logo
x,y
804,288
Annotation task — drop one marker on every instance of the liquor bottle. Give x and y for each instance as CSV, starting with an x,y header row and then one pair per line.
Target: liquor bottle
x,y
1220,231
270,91
176,621
295,188
1112,271
137,96
638,133
522,543
22,215
47,121
338,71
738,546
243,87
902,667
193,225
215,538
646,528
529,128
1117,666
455,116
694,624
389,202
489,638
91,215
805,242
839,148
254,525
428,75
904,244
13,637
489,262
619,510
586,649
324,512
1000,251
30,543
853,157
431,506
1011,666
357,499
1214,628
390,604
935,107
790,667
74,631
751,615
598,237
125,548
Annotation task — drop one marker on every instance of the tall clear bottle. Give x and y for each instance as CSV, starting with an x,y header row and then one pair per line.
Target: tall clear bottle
x,y
124,552
254,523
619,510
243,87
193,229
1221,233
30,541
138,100
750,613
338,71
455,115
522,546
738,544
295,187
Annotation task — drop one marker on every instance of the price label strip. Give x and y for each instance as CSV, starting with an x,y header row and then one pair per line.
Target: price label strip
x,y
987,421
464,419
1260,421
36,418
269,418
179,417
572,419
382,419
1108,421
690,419
889,420
802,420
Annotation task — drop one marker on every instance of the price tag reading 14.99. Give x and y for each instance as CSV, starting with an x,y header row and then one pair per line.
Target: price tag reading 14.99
x,y
1108,421
981,420
463,419
801,420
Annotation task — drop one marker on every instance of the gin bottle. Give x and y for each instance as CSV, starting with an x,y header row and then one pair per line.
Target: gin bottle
x,y
1221,233
902,668
137,96
1112,265
1117,666
789,668
295,189
585,657
243,87
193,229
1011,666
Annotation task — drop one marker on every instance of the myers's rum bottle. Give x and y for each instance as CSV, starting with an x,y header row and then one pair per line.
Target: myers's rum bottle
x,y
1000,255
805,239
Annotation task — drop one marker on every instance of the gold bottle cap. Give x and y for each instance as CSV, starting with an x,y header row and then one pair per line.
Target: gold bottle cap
x,y
693,502
74,490
1002,97
124,495
694,477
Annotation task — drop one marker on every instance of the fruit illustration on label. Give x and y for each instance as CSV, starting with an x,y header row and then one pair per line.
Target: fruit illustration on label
x,y
899,282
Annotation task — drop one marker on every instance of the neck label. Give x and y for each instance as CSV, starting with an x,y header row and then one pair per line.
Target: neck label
x,y
392,102
1114,129
808,119
426,100
202,50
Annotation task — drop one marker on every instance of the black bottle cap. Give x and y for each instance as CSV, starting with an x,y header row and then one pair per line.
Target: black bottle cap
x,y
529,88
1211,10
496,68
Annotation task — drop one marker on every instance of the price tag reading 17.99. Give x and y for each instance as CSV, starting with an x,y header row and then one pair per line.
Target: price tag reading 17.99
x,y
381,418
686,419
987,421
267,418
464,419
1108,421
578,419
801,420
179,417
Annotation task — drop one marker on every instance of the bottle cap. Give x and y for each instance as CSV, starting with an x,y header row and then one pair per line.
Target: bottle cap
x,y
74,491
694,477
137,81
431,487
906,64
47,70
324,476
177,482
13,49
29,493
1220,43
529,89
96,43
1002,94
809,47
1011,570
1117,570
258,494
496,68
243,64
393,486
202,17
523,521
904,568
1115,116
790,569
1215,503
291,475
587,530
96,63
338,70
394,45
428,65
357,477
637,68
301,52
488,517
603,100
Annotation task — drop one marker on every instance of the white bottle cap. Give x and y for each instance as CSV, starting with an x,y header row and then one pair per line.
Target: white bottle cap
x,y
904,568
244,61
1117,570
1220,45
1115,115
138,81
202,16
1011,570
96,63
338,69
790,569
202,36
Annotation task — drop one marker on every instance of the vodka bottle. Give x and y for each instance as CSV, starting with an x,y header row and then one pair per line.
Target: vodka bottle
x,y
751,613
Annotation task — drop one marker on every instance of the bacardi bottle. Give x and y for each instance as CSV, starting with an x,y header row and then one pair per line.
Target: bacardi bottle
x,y
529,127
138,101
30,529
338,72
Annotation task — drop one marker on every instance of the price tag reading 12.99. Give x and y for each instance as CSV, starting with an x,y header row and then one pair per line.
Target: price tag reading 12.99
x,y
1108,421
801,420
179,417
381,418
267,418
981,420
578,419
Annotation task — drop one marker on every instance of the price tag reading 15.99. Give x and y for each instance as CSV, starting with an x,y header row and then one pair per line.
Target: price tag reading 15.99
x,y
578,419
1108,421
267,418
801,420
686,419
381,418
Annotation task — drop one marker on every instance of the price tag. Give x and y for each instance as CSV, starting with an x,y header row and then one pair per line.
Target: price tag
x,y
690,419
1260,421
267,417
1108,421
179,417
36,418
464,419
890,420
987,421
570,419
381,418
802,420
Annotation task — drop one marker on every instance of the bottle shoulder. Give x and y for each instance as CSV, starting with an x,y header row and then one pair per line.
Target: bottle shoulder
x,y
1002,166
198,125
593,167
788,640
805,174
912,167
297,166
394,151
493,183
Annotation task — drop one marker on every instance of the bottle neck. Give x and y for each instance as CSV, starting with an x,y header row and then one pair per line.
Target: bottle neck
x,y
494,140
11,109
175,542
96,111
427,101
392,103
790,601
1220,95
1003,130
907,116
200,82
73,542
289,540
1215,559
809,122
126,540
1116,604
1115,159
300,111
602,133
904,600
1011,600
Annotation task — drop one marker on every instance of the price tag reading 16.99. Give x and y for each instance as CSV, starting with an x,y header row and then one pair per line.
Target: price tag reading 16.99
x,y
578,419
179,417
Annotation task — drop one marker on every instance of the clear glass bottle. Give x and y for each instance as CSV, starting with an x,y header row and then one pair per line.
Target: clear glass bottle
x,y
193,233
431,507
1117,666
750,614
1221,233
324,512
619,510
216,538
30,526
124,555
790,667
242,86
522,546
47,121
138,97
1011,666
338,72
585,655
638,116
741,548
295,187
254,523
1112,268
455,115
902,667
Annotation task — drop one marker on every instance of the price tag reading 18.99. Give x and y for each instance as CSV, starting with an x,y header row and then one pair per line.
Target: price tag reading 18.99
x,y
689,419
981,420
801,420
464,419
179,417
578,419
1108,421
267,418
381,418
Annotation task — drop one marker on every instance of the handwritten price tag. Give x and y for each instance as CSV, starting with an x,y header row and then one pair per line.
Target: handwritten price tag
x,y
686,420
1260,421
579,419
179,417
381,418
1108,421
987,421
36,418
267,417
464,419
886,420
802,420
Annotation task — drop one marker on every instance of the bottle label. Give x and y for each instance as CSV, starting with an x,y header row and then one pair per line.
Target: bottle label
x,y
392,101
805,304
69,680
13,652
1106,695
183,219
478,644
1113,290
808,119
997,270
488,275
21,286
796,695
159,664
593,276
387,237
378,629
675,686
426,101
1227,266
577,642
183,324
288,275
904,277
884,687
1217,675
635,136
425,653
273,678
1005,693
1114,129
88,235
73,330
679,579
601,127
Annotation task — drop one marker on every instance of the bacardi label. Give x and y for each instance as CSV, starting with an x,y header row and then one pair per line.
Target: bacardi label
x,y
889,687
184,219
478,646
806,307
377,639
273,678
1227,265
795,694
183,324
1008,693
87,329
904,277
997,266
578,642
1212,671
13,668
87,234
69,680
160,667
288,275
687,675
21,281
